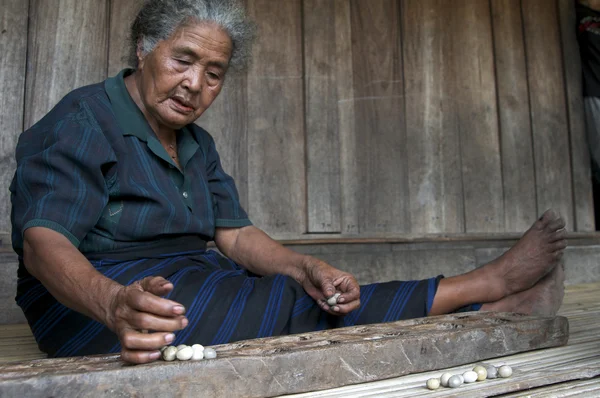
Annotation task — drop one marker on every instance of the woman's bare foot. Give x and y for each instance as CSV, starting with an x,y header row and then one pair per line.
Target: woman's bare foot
x,y
532,257
544,298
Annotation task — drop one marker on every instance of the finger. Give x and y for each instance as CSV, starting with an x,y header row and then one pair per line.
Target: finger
x,y
134,340
148,302
343,309
139,357
145,321
156,285
349,288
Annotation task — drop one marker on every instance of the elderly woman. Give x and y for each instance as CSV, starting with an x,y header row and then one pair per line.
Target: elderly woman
x,y
117,192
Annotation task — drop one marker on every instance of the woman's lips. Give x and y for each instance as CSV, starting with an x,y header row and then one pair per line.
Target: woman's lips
x,y
181,105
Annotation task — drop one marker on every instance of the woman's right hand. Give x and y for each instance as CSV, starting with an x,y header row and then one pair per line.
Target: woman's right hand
x,y
139,307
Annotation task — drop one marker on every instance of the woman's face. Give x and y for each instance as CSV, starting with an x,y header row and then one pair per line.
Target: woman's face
x,y
184,74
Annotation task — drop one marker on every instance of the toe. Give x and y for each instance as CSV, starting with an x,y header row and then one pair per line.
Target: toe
x,y
560,234
559,245
557,224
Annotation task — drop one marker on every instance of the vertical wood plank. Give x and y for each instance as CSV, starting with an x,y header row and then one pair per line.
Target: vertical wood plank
x,y
122,13
435,178
548,108
582,187
472,59
67,49
227,121
326,31
380,185
13,42
515,124
276,157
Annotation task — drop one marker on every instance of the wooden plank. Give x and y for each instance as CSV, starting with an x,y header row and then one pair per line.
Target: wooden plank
x,y
280,365
548,108
13,41
326,48
435,178
276,157
580,156
513,110
68,46
380,183
122,14
472,59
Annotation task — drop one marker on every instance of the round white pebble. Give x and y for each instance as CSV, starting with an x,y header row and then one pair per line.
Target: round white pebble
x,y
505,371
169,353
492,372
198,352
433,384
210,353
444,379
163,348
462,379
333,299
481,372
180,346
470,376
185,353
455,381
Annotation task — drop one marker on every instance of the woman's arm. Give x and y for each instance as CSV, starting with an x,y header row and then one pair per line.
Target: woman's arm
x,y
73,281
255,250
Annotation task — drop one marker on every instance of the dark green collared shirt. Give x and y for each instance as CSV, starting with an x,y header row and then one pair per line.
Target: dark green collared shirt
x,y
93,170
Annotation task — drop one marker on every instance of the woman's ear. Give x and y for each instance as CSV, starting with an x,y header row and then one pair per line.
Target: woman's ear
x,y
140,54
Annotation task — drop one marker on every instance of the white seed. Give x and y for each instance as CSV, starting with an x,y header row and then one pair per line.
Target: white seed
x,y
210,353
455,381
163,348
470,376
180,346
198,352
185,353
333,299
505,371
444,379
169,353
492,372
433,384
462,379
481,372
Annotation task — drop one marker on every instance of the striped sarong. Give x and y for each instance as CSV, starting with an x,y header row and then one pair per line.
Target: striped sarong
x,y
224,302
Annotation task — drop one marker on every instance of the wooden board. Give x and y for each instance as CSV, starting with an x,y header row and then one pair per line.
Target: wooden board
x,y
13,42
68,43
326,48
580,154
548,108
435,178
471,56
122,14
513,110
380,152
280,365
276,143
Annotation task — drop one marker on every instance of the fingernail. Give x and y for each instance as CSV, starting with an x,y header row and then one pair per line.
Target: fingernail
x,y
341,300
184,322
169,338
154,355
336,308
179,309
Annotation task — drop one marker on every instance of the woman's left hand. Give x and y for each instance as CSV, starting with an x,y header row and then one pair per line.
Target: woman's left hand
x,y
321,281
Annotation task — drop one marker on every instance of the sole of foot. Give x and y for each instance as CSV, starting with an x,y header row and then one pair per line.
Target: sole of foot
x,y
538,251
543,299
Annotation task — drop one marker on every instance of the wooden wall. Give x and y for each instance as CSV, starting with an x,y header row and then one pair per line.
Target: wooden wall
x,y
357,117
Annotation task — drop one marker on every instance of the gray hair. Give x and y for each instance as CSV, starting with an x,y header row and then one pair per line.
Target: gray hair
x,y
158,19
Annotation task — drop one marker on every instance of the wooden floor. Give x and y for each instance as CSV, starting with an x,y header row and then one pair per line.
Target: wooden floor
x,y
568,371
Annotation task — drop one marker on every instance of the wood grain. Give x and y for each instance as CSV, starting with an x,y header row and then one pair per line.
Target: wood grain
x,y
580,156
326,48
286,364
514,115
380,152
472,59
68,46
550,125
435,177
276,142
122,14
13,42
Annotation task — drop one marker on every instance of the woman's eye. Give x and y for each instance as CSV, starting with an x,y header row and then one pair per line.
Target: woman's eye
x,y
183,62
213,76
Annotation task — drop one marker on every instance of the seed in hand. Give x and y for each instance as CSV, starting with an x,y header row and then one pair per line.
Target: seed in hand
x,y
332,301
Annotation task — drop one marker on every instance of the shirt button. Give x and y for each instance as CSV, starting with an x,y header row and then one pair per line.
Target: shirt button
x,y
185,194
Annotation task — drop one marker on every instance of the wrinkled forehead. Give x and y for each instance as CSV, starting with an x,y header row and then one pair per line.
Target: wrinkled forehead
x,y
201,38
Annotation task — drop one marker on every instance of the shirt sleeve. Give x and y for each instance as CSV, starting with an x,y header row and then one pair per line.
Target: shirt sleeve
x,y
59,182
229,211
